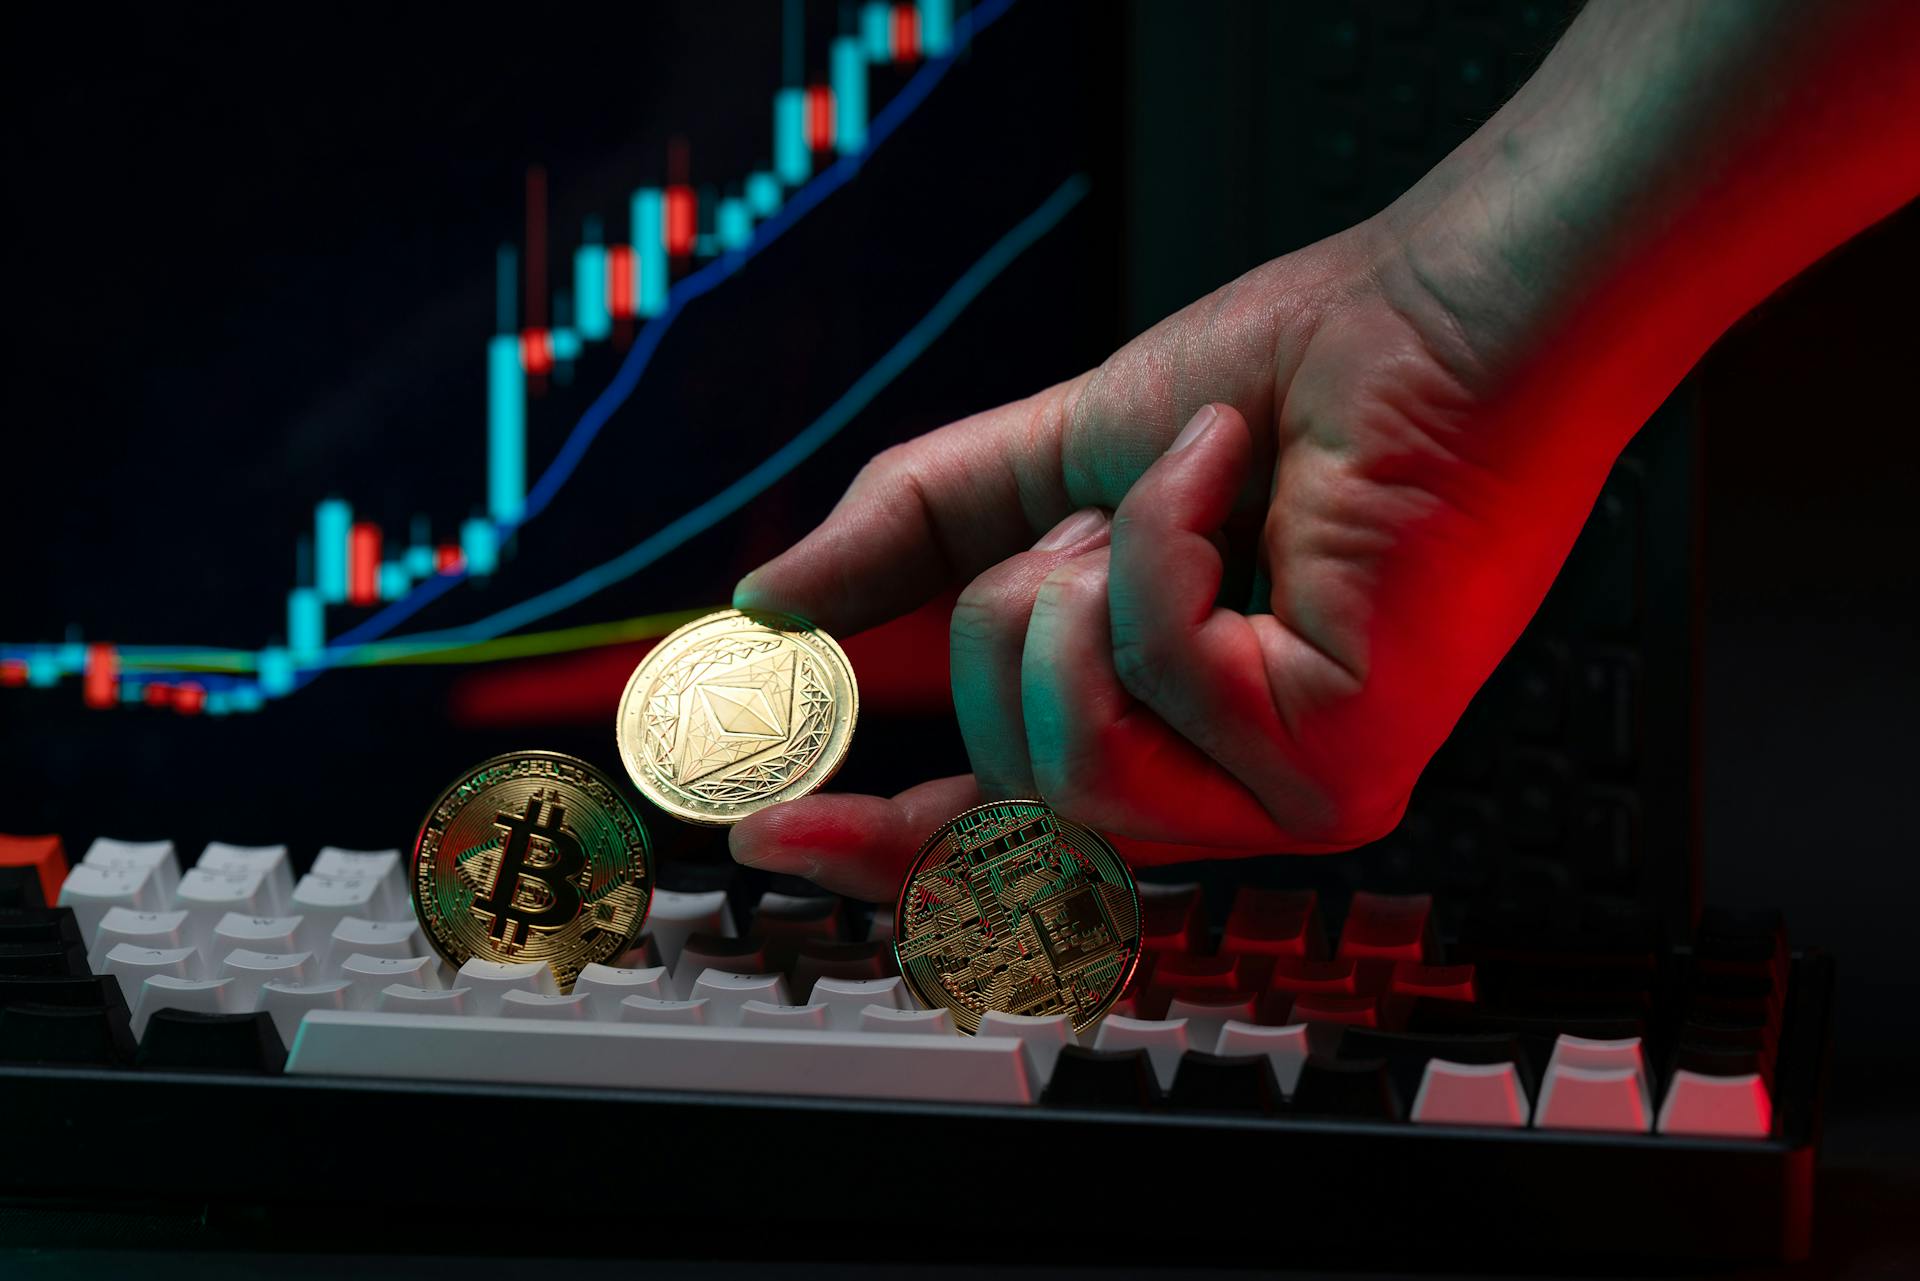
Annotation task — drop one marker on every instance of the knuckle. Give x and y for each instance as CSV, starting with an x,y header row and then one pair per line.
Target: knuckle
x,y
980,615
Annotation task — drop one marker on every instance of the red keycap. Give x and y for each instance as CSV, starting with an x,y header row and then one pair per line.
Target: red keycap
x,y
1353,1011
1397,927
1275,923
1333,978
1173,918
44,854
1440,982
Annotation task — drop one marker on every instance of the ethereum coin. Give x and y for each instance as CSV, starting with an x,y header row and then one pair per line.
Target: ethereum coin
x,y
734,712
1010,907
532,856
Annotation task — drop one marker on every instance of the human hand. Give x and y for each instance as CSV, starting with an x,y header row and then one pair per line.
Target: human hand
x,y
1302,420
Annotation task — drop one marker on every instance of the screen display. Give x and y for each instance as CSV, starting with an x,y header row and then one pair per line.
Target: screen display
x,y
375,398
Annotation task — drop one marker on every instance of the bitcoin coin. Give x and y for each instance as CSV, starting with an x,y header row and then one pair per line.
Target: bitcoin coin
x,y
532,856
1010,907
734,712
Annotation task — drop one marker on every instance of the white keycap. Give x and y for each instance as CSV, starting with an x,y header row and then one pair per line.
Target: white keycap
x,y
1045,1036
131,963
1723,1107
672,916
270,861
370,975
488,981
1285,1047
402,999
726,993
847,999
794,1017
355,935
1164,1041
328,900
385,867
1205,1018
249,969
645,1009
154,857
1470,1094
257,934
199,996
94,891
606,986
868,1065
142,929
287,1003
878,1018
208,896
538,1005
1577,1098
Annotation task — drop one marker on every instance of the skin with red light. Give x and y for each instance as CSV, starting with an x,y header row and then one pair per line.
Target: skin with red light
x,y
1403,427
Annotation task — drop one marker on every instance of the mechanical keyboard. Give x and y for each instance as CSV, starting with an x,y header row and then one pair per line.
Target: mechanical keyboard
x,y
1560,1063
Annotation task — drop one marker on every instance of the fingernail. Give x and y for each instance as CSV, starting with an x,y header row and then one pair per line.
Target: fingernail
x,y
1077,528
1191,432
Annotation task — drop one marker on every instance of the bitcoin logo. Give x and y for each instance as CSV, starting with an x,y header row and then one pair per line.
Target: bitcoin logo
x,y
1010,907
734,712
532,885
532,857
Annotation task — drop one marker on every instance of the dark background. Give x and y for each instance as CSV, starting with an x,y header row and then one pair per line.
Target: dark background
x,y
244,282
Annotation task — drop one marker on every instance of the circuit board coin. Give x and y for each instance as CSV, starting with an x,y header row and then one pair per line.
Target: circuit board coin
x,y
734,712
533,856
1010,907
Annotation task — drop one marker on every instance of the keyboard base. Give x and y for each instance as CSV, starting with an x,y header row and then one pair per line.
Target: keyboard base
x,y
329,1164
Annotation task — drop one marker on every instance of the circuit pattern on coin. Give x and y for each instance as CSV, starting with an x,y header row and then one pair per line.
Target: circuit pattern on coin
x,y
533,856
1010,907
734,712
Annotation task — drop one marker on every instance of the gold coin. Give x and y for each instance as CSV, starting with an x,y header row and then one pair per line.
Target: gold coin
x,y
532,856
734,712
1010,907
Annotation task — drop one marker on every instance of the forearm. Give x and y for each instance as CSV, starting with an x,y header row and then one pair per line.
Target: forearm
x,y
1667,167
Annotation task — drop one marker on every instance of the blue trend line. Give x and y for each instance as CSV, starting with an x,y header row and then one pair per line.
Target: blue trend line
x,y
911,346
640,355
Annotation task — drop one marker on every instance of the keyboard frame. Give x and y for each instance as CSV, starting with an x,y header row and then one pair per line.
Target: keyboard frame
x,y
1508,1196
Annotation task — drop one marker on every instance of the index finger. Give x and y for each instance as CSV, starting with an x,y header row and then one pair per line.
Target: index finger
x,y
929,515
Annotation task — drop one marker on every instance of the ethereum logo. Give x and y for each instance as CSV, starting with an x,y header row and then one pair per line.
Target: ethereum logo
x,y
739,711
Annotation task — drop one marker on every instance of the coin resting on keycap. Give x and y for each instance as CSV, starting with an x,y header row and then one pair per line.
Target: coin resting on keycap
x,y
1009,907
734,712
528,858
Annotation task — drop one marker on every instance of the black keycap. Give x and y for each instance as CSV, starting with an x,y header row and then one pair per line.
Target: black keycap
x,y
1606,841
1361,1089
20,889
719,952
1407,1053
40,925
1713,1060
1225,1083
221,1042
42,960
1603,721
1533,796
95,991
1533,679
816,959
1102,1079
97,1035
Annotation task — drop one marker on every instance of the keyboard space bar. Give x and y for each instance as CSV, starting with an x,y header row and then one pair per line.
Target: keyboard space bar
x,y
861,1065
